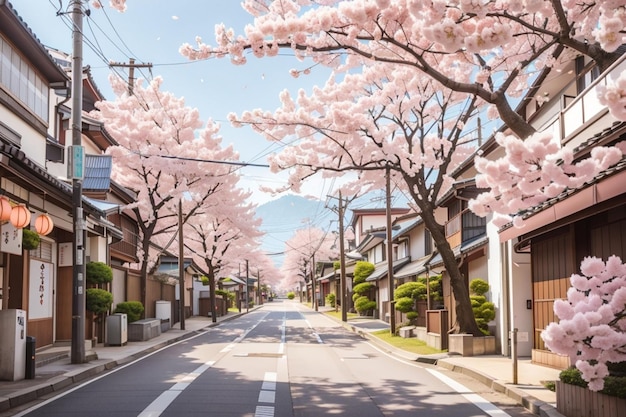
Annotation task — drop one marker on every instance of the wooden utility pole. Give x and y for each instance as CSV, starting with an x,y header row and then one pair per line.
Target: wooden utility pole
x,y
75,169
392,310
342,264
131,71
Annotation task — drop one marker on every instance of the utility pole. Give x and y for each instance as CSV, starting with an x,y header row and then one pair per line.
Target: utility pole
x,y
181,266
342,264
258,283
313,282
392,310
131,71
75,169
247,286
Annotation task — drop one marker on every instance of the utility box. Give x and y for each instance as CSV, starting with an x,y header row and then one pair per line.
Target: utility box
x,y
117,329
13,345
164,313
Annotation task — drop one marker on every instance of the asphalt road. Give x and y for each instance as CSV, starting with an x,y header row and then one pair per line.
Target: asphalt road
x,y
279,361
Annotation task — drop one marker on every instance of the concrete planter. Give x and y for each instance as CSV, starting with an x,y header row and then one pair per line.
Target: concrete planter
x,y
468,345
575,401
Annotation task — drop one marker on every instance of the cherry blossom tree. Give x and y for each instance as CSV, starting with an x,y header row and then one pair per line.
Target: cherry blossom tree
x,y
216,236
167,157
303,251
592,321
488,51
485,48
369,123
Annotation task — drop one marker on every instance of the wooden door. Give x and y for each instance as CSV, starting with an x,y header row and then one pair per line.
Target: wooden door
x,y
64,304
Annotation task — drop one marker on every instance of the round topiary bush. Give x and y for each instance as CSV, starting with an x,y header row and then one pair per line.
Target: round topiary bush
x,y
98,273
484,311
98,301
363,304
132,309
291,295
331,299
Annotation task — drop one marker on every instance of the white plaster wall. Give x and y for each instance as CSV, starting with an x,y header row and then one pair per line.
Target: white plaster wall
x,y
521,292
496,271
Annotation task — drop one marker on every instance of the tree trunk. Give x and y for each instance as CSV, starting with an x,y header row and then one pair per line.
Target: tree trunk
x,y
465,321
212,301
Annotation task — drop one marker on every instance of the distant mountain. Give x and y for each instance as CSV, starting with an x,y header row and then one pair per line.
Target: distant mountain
x,y
283,216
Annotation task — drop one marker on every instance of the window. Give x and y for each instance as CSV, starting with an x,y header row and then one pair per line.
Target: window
x,y
20,80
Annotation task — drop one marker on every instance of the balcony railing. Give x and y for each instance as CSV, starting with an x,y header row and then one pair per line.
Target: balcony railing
x,y
464,227
584,108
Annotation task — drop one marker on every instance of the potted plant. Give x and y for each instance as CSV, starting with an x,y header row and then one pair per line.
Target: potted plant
x,y
30,239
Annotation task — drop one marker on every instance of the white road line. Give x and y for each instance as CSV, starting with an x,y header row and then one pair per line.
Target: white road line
x,y
317,336
475,399
264,411
268,397
156,407
283,336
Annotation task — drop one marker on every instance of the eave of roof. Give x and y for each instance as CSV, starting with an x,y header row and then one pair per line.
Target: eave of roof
x,y
28,44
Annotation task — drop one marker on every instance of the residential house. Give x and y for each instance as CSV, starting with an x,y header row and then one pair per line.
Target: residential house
x,y
590,221
369,227
530,267
33,93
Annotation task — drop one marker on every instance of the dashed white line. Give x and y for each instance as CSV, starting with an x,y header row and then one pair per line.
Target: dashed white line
x,y
156,407
264,411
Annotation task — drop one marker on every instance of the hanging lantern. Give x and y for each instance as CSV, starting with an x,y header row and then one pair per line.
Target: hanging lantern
x,y
43,224
20,216
5,209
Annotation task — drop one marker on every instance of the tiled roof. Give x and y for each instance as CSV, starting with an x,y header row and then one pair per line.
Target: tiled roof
x,y
97,172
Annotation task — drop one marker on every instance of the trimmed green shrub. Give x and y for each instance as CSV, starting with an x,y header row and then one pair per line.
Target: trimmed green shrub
x,y
291,295
405,304
362,288
484,311
412,315
410,290
98,273
479,286
363,304
132,309
331,299
362,270
30,239
98,301
614,386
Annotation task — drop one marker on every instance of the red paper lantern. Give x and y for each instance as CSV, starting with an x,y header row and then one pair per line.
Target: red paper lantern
x,y
5,209
43,224
20,216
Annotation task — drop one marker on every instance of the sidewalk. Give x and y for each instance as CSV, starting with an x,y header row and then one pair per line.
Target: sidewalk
x,y
54,371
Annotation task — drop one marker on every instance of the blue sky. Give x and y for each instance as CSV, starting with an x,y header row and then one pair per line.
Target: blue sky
x,y
151,31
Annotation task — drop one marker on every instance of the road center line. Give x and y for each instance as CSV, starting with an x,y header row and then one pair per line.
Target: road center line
x,y
267,395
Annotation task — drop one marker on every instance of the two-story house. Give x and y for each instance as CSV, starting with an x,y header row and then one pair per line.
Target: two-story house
x,y
33,93
590,221
530,267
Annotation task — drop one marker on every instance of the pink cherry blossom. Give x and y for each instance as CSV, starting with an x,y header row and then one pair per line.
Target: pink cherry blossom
x,y
591,321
